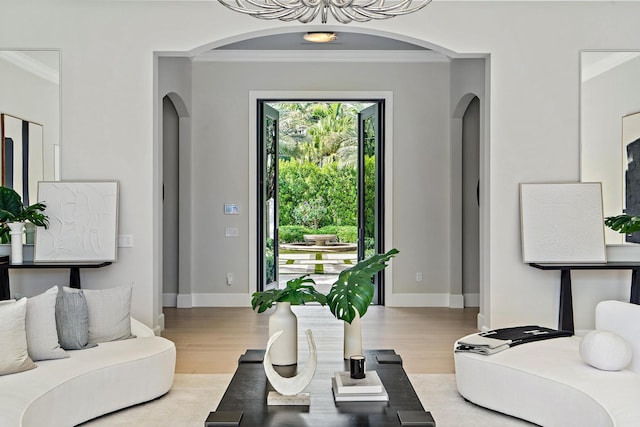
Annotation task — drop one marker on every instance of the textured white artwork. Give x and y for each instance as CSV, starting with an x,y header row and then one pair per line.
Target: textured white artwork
x,y
83,222
562,223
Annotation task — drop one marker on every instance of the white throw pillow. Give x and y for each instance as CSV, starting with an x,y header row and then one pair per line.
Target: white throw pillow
x,y
605,350
109,314
42,336
14,356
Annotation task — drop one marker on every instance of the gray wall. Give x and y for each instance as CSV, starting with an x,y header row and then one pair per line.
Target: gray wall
x,y
421,154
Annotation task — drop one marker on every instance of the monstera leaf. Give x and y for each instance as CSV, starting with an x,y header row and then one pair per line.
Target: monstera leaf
x,y
625,224
13,210
297,292
353,290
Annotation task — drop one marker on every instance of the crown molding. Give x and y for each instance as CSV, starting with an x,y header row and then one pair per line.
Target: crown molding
x,y
31,65
608,62
221,55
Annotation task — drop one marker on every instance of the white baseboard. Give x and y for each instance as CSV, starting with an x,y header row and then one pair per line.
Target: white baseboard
x,y
418,300
184,301
456,301
169,300
213,300
482,324
472,300
158,329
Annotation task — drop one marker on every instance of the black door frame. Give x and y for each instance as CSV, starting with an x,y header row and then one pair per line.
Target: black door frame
x,y
380,183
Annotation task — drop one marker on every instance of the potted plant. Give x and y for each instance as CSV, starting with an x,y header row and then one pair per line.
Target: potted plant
x,y
298,291
13,214
350,297
625,224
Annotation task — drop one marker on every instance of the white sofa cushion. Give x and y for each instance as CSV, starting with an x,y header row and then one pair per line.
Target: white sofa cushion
x,y
547,383
14,356
89,383
605,350
42,335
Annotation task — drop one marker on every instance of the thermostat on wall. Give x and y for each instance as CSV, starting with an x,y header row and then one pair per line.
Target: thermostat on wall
x,y
231,209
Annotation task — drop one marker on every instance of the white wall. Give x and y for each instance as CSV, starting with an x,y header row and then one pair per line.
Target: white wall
x,y
108,120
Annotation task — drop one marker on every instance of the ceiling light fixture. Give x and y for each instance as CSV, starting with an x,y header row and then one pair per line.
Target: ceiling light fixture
x,y
343,11
320,37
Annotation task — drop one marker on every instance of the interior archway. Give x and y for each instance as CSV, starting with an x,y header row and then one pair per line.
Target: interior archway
x,y
421,47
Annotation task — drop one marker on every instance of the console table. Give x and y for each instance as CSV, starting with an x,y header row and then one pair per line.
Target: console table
x,y
247,394
565,318
74,268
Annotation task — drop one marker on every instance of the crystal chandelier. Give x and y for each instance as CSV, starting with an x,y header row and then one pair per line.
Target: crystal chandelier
x,y
343,11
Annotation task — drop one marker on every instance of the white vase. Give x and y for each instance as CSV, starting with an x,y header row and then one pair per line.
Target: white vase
x,y
353,337
285,350
15,230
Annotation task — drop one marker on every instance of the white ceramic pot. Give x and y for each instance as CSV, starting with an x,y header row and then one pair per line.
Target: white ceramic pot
x,y
353,337
285,350
16,232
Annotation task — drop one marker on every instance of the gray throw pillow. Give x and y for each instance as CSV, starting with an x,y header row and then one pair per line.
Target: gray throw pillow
x,y
109,313
72,320
42,336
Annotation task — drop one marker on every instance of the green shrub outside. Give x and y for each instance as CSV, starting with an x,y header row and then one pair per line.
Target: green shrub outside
x,y
295,233
305,182
337,186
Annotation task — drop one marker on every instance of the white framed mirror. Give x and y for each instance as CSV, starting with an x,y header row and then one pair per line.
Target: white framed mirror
x,y
29,119
609,92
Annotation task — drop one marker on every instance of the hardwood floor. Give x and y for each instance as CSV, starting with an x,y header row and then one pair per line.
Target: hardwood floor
x,y
210,340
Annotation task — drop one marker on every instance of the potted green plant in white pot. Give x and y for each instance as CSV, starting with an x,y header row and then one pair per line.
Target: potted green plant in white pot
x,y
13,215
351,295
298,291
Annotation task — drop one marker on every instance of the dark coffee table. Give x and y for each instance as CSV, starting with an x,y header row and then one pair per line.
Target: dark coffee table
x,y
247,394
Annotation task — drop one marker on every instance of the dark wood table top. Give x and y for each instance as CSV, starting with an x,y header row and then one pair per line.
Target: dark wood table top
x,y
249,387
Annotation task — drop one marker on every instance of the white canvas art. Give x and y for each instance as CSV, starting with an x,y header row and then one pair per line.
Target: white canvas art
x,y
83,222
562,223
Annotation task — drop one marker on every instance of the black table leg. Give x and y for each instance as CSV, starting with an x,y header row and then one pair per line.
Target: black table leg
x,y
74,278
5,292
4,284
635,287
565,321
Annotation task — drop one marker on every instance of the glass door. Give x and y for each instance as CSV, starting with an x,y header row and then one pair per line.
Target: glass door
x,y
371,189
267,197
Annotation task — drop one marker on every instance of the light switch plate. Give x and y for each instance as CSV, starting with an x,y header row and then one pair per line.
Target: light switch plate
x,y
125,241
231,232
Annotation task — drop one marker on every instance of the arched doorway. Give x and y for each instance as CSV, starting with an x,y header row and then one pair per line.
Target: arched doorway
x,y
443,55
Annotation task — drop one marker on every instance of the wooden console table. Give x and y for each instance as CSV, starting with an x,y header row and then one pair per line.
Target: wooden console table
x,y
74,275
565,318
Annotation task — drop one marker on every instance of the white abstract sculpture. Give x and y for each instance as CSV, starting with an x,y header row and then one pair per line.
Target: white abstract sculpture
x,y
290,386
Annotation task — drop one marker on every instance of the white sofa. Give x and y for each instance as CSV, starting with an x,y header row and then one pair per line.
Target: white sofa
x,y
548,383
89,383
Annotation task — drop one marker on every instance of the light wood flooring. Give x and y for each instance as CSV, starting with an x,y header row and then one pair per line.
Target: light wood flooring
x,y
210,340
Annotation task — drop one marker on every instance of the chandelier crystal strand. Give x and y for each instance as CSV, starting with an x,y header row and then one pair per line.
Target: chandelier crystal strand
x,y
343,11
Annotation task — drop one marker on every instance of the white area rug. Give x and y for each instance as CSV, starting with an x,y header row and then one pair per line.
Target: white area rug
x,y
193,396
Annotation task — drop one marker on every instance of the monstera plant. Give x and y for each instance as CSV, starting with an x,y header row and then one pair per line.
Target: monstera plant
x,y
13,210
625,224
297,292
354,290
